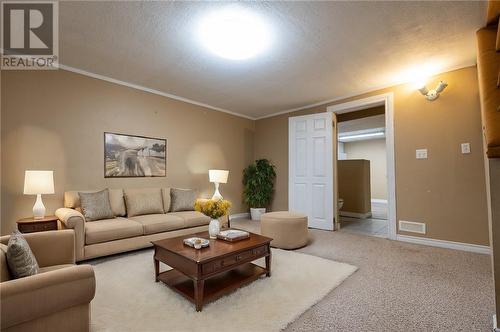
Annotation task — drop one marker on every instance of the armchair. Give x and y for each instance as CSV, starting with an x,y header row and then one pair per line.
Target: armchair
x,y
58,297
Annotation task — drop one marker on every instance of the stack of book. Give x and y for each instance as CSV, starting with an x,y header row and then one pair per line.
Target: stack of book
x,y
233,235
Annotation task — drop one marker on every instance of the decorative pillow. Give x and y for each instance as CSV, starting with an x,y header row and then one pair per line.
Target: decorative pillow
x,y
96,206
20,258
143,201
117,203
72,200
182,199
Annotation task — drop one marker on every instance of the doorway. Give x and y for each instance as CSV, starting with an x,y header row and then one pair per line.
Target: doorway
x,y
381,208
362,172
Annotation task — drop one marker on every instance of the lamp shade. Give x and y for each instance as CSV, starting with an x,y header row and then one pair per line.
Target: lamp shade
x,y
218,175
38,182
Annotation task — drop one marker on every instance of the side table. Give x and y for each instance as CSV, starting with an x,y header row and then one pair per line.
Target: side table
x,y
31,225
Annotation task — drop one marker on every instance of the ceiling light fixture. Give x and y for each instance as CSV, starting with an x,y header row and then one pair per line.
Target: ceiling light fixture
x,y
368,135
234,33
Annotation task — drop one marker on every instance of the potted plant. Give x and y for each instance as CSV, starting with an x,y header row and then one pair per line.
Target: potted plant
x,y
258,181
213,208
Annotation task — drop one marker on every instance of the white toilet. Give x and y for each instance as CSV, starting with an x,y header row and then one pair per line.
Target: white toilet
x,y
340,203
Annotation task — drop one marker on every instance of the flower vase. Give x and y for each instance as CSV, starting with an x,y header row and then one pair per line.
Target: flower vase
x,y
214,228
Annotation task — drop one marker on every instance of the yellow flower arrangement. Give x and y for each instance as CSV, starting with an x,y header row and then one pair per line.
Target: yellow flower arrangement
x,y
213,208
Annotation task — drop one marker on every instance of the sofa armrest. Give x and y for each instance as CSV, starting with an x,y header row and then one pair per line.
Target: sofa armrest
x,y
46,293
74,220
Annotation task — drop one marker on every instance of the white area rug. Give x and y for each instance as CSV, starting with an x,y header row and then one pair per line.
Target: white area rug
x,y
128,299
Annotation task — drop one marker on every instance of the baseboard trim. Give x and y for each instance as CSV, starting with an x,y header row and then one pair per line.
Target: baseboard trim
x,y
244,215
355,214
379,201
445,244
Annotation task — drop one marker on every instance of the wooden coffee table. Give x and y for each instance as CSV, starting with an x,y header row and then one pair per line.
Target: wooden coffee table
x,y
206,274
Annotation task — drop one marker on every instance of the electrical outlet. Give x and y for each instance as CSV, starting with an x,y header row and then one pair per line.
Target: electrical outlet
x,y
465,148
421,153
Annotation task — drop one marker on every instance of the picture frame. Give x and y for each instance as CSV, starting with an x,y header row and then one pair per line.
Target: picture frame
x,y
130,156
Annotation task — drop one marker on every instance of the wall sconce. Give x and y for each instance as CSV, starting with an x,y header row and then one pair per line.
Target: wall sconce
x,y
433,94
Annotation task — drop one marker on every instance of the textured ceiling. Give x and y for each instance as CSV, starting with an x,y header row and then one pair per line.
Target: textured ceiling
x,y
320,50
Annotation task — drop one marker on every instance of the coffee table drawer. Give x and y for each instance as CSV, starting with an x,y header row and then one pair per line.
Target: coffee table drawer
x,y
221,264
218,264
260,251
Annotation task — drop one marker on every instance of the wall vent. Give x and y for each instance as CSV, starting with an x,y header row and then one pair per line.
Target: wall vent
x,y
412,226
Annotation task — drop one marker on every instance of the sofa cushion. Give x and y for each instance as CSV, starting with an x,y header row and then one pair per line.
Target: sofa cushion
x,y
20,258
54,267
4,268
96,206
182,199
165,192
111,229
192,218
72,200
143,201
157,223
117,202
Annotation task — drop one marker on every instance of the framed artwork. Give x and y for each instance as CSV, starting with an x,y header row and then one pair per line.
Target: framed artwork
x,y
134,156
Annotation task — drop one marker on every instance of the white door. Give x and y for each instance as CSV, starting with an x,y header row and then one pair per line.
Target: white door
x,y
310,163
335,145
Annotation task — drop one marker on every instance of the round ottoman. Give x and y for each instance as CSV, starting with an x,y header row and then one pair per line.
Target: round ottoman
x,y
287,229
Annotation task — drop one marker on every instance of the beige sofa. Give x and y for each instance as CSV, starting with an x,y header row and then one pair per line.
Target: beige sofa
x,y
124,233
58,297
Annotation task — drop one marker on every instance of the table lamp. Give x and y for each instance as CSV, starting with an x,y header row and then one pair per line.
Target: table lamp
x,y
38,183
217,176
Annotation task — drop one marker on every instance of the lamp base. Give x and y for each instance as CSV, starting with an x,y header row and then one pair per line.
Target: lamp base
x,y
38,208
217,196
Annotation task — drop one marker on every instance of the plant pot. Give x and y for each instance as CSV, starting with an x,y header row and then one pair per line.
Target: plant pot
x,y
214,228
255,213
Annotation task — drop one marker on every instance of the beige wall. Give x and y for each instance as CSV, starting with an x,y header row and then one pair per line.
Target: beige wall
x,y
55,120
374,151
446,191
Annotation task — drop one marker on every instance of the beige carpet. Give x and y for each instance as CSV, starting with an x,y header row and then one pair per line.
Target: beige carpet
x,y
398,286
128,299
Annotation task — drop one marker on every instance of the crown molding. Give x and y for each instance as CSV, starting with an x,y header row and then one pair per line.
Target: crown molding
x,y
328,101
218,109
153,91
